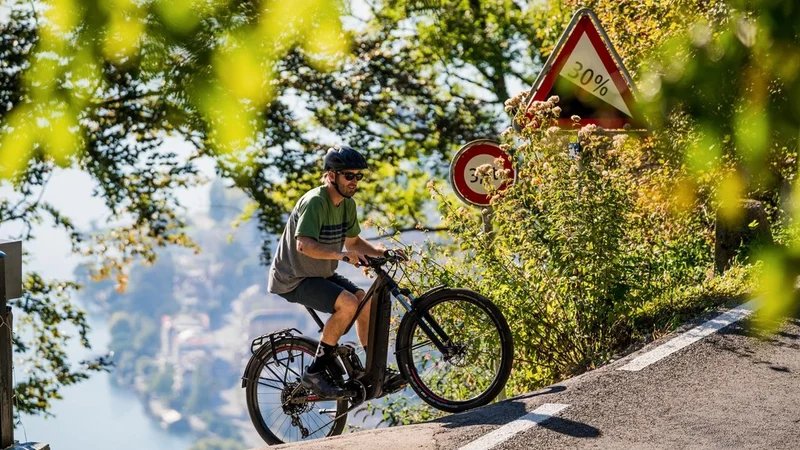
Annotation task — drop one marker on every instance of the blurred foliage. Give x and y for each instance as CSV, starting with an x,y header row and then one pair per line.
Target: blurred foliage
x,y
47,322
199,397
98,86
737,81
133,337
162,381
263,87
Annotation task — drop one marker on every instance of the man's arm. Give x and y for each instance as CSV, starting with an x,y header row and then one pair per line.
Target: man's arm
x,y
311,248
364,247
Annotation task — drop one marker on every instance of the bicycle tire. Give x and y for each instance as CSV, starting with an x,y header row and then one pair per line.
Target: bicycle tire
x,y
298,347
432,305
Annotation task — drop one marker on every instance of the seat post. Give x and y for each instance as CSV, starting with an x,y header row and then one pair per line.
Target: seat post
x,y
316,318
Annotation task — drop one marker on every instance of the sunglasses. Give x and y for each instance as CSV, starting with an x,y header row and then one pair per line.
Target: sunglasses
x,y
349,176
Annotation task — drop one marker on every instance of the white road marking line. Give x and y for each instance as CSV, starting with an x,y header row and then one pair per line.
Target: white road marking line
x,y
691,336
508,430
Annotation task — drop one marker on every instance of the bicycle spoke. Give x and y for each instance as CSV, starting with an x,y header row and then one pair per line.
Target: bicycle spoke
x,y
485,333
265,382
416,346
278,410
318,421
285,417
286,373
323,426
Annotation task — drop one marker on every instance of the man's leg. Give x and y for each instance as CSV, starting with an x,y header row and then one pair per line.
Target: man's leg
x,y
393,381
326,296
362,323
315,376
344,310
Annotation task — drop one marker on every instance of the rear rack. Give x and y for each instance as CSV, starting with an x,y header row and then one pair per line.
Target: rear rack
x,y
271,337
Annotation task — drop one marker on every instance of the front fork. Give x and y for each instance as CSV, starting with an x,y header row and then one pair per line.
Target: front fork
x,y
429,326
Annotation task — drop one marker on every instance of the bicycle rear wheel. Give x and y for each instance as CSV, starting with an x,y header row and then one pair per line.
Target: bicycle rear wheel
x,y
476,363
273,384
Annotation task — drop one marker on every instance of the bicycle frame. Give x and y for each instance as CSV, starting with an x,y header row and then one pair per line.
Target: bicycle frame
x,y
380,293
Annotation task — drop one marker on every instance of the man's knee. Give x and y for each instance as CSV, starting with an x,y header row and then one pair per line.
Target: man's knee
x,y
360,294
346,303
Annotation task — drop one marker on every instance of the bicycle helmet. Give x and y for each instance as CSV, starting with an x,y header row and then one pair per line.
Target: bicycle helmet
x,y
342,157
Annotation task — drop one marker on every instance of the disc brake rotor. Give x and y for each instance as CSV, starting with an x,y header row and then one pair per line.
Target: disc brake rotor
x,y
457,355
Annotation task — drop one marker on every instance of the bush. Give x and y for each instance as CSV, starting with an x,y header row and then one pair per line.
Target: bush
x,y
588,251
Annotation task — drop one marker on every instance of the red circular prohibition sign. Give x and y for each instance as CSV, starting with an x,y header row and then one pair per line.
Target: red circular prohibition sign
x,y
462,159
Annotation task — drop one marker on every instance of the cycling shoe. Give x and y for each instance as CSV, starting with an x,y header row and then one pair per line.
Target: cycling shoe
x,y
322,384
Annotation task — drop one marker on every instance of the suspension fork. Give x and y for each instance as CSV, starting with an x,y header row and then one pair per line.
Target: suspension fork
x,y
429,326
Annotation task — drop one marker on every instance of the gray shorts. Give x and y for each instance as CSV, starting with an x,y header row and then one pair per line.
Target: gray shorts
x,y
320,293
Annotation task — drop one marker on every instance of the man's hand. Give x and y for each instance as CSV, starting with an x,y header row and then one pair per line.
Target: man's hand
x,y
353,257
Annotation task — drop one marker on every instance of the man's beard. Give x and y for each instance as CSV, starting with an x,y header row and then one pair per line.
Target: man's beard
x,y
343,192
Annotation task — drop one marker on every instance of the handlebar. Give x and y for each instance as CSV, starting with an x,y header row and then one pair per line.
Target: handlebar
x,y
376,262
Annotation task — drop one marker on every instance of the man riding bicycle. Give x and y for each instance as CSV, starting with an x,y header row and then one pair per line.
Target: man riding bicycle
x,y
322,224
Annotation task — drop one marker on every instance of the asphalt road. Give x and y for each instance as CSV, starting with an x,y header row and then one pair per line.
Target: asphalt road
x,y
729,390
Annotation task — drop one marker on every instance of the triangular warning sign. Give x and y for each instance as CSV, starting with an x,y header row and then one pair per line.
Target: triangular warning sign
x,y
585,72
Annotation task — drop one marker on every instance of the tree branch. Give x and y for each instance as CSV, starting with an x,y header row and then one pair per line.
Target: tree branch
x,y
125,98
472,82
405,230
31,206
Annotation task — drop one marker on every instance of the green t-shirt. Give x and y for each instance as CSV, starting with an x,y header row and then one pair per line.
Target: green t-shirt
x,y
317,217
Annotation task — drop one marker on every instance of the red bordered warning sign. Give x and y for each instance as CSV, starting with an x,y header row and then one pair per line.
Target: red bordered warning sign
x,y
588,76
463,171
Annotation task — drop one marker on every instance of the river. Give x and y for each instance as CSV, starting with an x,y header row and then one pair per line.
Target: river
x,y
96,415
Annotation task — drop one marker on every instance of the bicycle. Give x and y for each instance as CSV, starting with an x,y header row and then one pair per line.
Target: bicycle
x,y
444,330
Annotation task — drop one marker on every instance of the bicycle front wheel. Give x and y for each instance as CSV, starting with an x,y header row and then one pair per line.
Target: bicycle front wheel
x,y
280,409
474,361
